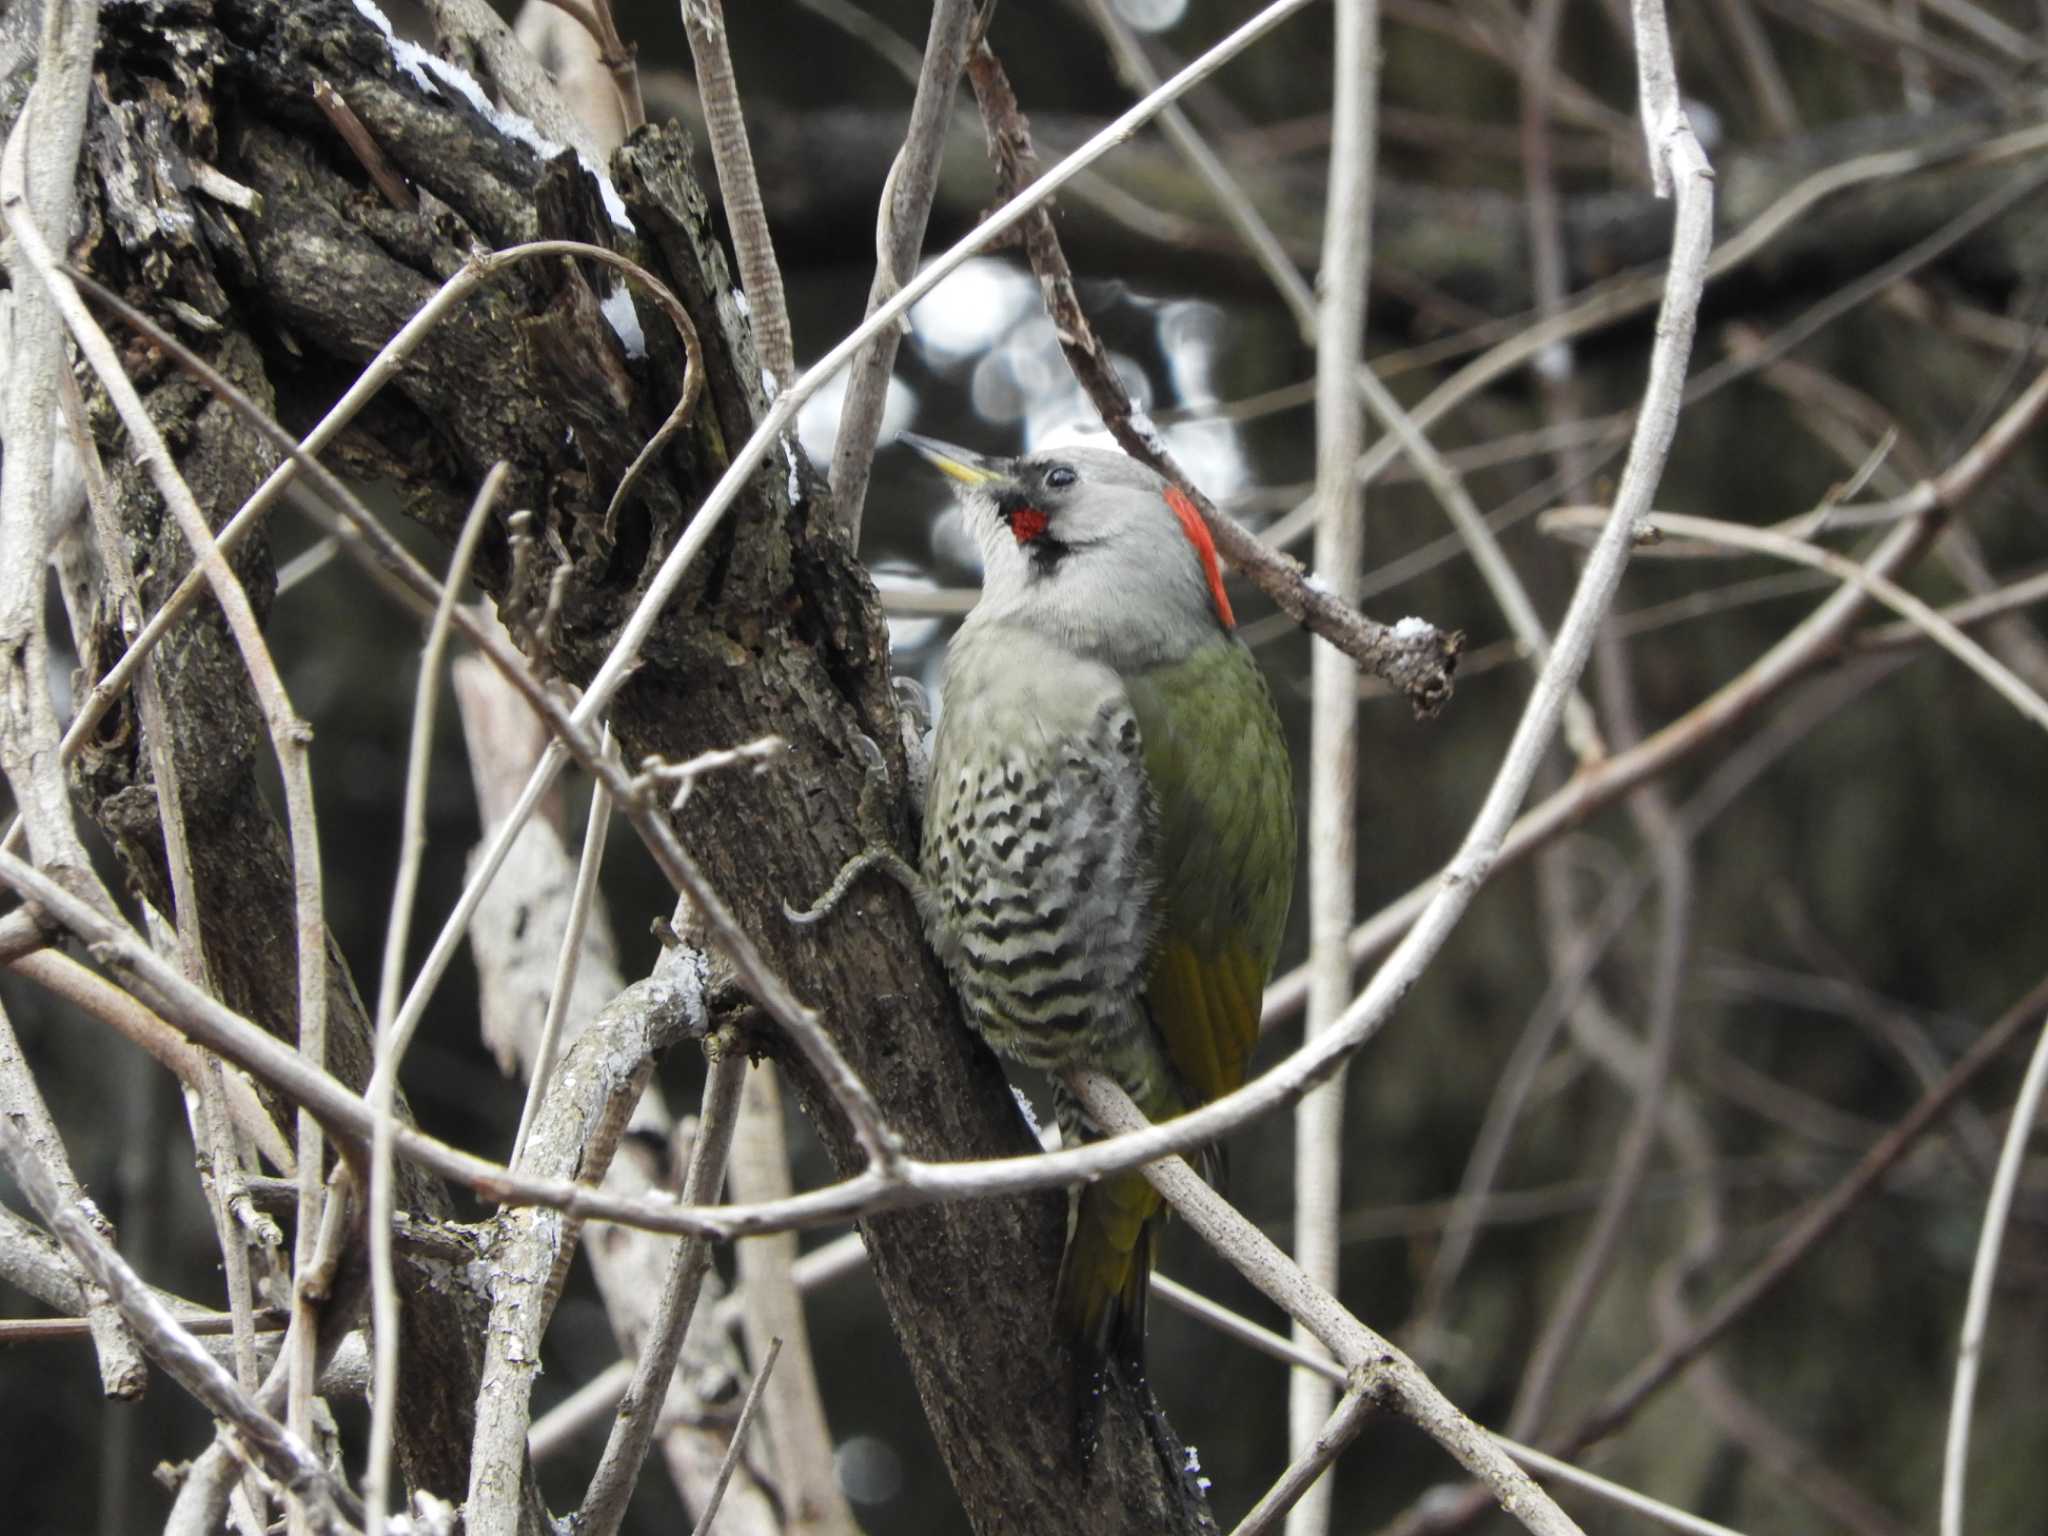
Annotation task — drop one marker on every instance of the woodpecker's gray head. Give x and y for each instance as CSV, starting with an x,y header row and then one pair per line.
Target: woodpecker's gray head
x,y
1088,546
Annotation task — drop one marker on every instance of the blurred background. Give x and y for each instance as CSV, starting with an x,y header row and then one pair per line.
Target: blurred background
x,y
1865,906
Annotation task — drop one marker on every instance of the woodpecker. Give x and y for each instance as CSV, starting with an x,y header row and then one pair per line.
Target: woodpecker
x,y
1109,834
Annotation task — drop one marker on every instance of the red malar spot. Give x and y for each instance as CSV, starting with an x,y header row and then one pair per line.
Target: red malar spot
x,y
1028,523
1197,531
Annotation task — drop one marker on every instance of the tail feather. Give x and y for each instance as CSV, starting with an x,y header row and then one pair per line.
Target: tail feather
x,y
1106,1273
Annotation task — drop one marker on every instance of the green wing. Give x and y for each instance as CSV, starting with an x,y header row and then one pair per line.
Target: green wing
x,y
1223,794
1224,797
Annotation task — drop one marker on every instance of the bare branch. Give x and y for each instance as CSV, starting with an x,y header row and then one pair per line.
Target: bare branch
x,y
1305,1474
1377,1372
384,1093
574,1136
283,1454
1785,661
1344,281
363,145
704,24
906,208
122,1373
39,194
1955,1460
568,957
604,1502
1890,593
765,1282
1237,207
739,1434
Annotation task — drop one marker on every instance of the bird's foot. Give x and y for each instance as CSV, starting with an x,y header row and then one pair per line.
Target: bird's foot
x,y
874,820
881,857
914,723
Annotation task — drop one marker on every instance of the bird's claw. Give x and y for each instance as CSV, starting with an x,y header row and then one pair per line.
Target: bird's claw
x,y
875,793
879,856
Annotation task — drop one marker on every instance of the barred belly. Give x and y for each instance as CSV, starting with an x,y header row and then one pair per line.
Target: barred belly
x,y
1038,862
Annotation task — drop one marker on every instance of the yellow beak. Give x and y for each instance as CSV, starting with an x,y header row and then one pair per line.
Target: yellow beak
x,y
961,464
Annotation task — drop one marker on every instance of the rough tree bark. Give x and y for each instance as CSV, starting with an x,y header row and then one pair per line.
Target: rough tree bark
x,y
776,630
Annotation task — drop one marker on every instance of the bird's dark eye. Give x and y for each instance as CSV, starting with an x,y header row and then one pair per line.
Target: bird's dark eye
x,y
1059,477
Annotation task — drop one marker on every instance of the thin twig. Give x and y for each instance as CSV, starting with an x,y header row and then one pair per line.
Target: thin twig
x,y
1789,658
1955,1461
568,956
50,1330
1764,541
1344,281
740,188
341,117
799,1439
739,1435
384,1091
604,1502
212,1131
283,1454
905,210
38,187
1287,1497
1964,615
1137,72
1377,1372
123,1374
1629,1498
